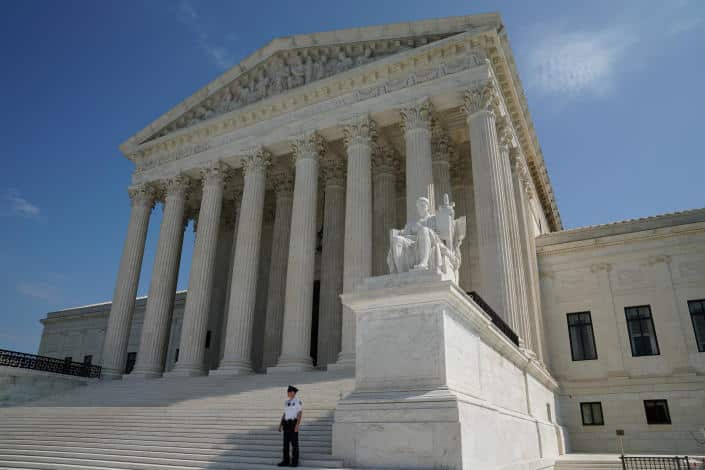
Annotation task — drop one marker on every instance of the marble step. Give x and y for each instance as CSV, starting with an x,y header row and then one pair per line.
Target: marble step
x,y
236,425
29,465
132,461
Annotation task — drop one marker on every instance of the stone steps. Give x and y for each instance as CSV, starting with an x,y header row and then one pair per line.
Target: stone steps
x,y
204,422
588,462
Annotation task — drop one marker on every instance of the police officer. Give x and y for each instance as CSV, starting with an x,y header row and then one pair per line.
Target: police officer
x,y
290,422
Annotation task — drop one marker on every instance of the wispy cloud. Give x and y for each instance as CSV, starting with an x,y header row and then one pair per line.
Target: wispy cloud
x,y
13,204
216,51
41,290
590,62
576,63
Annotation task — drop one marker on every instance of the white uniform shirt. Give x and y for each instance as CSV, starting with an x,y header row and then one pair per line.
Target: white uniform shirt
x,y
292,408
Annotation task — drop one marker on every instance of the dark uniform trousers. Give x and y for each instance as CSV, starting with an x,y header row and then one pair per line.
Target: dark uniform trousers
x,y
291,437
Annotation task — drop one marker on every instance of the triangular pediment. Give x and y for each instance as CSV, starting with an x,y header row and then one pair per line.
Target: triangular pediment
x,y
296,61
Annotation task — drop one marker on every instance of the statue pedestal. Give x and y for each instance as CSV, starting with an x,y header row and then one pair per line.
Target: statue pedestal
x,y
438,386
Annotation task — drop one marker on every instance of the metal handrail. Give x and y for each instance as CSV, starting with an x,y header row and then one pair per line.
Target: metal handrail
x,y
496,319
658,463
48,364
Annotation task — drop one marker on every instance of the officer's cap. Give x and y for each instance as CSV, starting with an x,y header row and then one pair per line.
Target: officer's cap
x,y
292,389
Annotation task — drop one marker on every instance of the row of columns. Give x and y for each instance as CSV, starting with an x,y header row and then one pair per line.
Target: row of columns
x,y
349,189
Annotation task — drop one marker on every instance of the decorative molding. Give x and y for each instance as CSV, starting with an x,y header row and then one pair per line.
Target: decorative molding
x,y
361,130
384,160
257,159
440,145
333,170
415,116
482,96
176,187
282,178
598,267
214,174
142,194
309,145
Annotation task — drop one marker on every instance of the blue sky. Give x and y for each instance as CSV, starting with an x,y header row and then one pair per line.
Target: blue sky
x,y
615,90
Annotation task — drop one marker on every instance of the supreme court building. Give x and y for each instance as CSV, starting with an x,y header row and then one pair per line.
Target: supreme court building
x,y
294,166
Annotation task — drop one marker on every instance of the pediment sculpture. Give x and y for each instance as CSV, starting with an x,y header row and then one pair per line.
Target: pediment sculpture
x,y
431,242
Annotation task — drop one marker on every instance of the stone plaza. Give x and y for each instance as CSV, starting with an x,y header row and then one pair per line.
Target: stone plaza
x,y
374,221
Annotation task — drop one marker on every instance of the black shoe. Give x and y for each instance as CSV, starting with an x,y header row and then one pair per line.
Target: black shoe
x,y
283,464
294,465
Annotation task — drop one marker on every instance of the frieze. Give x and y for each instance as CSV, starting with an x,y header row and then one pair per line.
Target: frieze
x,y
164,154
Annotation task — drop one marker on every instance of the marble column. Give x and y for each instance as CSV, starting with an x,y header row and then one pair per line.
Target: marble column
x,y
464,198
123,306
283,181
329,307
506,143
238,341
234,193
359,136
298,305
384,168
192,347
416,124
441,166
162,289
523,193
492,187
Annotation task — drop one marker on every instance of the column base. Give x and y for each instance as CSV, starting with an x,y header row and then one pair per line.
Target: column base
x,y
233,368
346,361
291,365
186,371
142,375
110,374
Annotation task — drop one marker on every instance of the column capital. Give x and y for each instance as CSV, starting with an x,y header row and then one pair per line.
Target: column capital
x,y
176,187
482,96
360,130
142,194
384,160
214,174
333,170
257,159
416,115
282,180
505,136
308,145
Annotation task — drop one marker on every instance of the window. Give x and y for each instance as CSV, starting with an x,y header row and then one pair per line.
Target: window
x,y
208,339
582,339
87,359
642,334
657,412
697,314
131,359
592,413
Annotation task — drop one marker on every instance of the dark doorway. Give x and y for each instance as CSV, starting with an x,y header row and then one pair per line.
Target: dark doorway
x,y
314,321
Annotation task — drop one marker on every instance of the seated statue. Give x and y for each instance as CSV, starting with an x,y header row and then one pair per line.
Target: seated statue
x,y
432,242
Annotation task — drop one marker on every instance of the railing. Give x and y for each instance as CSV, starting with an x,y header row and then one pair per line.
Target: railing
x,y
660,463
496,319
47,364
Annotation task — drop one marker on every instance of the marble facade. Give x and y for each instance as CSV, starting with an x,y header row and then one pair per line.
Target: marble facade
x,y
293,167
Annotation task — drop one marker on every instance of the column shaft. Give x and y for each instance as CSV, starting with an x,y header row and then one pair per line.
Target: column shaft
x,y
241,308
283,186
490,181
162,289
357,256
192,347
419,170
330,308
298,305
123,306
384,206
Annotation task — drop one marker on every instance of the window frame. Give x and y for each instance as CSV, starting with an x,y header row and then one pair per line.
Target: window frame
x,y
699,342
653,328
591,404
570,336
668,412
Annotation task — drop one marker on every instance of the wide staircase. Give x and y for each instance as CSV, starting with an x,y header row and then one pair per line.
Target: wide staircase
x,y
172,423
589,462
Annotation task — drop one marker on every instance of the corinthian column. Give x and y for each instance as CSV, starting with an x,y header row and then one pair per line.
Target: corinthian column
x,y
492,187
283,187
464,198
296,337
245,265
385,168
416,124
123,306
441,166
357,257
198,299
329,307
162,289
